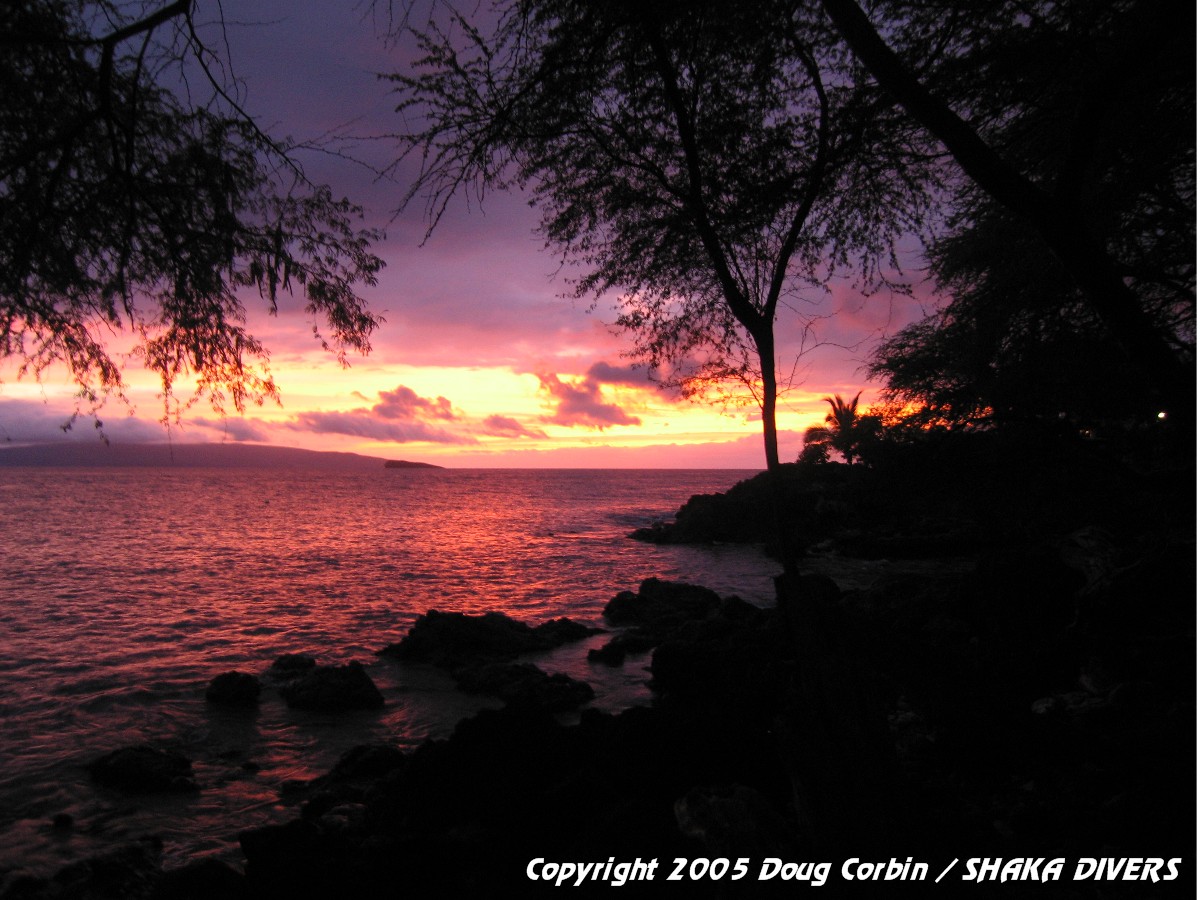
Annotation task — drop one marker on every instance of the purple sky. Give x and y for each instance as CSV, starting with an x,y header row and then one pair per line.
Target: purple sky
x,y
482,361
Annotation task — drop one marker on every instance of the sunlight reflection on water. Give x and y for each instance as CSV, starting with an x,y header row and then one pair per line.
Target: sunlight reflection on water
x,y
124,591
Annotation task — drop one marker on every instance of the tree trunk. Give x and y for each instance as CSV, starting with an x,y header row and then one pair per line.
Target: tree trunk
x,y
1063,231
784,542
770,432
765,345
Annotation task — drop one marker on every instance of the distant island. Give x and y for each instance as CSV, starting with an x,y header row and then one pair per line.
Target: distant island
x,y
406,464
97,454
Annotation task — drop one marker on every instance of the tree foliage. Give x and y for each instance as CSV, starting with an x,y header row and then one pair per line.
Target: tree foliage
x,y
137,198
1074,122
710,162
1094,103
845,431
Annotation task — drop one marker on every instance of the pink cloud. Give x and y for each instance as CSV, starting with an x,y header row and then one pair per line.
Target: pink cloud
x,y
401,416
232,429
606,373
361,423
580,403
36,422
405,404
503,426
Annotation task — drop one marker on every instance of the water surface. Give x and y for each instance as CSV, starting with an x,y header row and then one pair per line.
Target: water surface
x,y
124,591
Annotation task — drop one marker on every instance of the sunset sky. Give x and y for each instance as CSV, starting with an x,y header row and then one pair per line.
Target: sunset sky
x,y
481,360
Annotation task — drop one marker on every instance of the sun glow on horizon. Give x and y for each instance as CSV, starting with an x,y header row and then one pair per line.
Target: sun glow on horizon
x,y
467,415
586,407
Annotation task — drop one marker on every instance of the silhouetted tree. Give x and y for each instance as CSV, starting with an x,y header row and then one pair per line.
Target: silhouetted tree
x,y
709,161
137,197
1077,118
1094,104
1014,343
845,430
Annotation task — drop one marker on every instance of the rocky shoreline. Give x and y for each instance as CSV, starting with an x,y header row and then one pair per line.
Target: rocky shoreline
x,y
1041,704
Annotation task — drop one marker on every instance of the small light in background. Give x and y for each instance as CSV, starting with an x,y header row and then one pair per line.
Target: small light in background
x,y
1162,415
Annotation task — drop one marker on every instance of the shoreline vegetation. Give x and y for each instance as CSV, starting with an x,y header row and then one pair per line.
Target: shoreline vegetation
x,y
1039,702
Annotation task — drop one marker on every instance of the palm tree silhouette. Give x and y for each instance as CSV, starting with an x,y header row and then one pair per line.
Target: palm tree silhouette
x,y
843,431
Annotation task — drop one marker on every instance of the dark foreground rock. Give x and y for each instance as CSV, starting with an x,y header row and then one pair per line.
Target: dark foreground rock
x,y
1043,703
478,651
238,689
364,763
204,879
659,610
741,514
144,770
131,872
456,640
929,712
525,685
613,652
291,665
465,815
332,689
661,603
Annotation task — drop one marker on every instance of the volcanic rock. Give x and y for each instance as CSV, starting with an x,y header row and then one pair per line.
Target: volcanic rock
x,y
525,685
144,770
233,689
333,689
456,640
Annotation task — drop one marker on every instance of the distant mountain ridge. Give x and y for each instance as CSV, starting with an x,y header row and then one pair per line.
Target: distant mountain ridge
x,y
73,454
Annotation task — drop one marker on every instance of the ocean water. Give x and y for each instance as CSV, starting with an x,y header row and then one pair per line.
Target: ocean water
x,y
124,591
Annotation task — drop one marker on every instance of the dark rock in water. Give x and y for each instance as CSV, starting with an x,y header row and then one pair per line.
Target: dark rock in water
x,y
655,533
204,879
144,770
289,665
525,685
557,632
611,654
455,640
233,689
742,513
614,652
658,600
333,689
